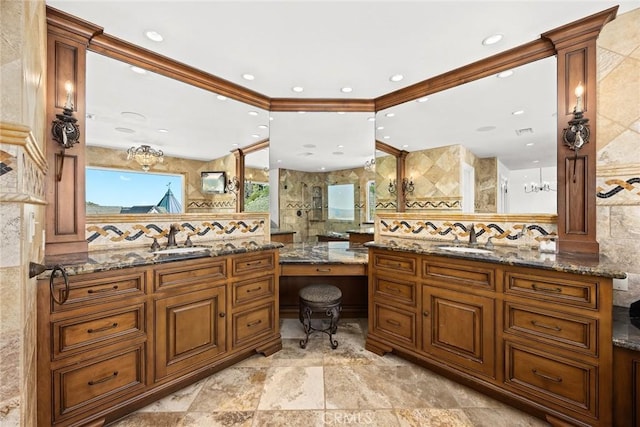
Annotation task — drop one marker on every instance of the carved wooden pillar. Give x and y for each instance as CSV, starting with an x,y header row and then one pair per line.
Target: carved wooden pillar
x,y
67,40
575,45
240,175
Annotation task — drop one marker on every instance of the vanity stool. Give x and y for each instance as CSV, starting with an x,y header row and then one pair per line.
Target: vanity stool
x,y
325,298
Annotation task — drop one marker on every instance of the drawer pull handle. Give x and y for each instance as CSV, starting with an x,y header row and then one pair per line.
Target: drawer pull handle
x,y
542,325
65,293
393,322
97,291
250,324
425,313
393,289
104,328
536,287
323,270
222,314
254,289
251,264
103,380
547,377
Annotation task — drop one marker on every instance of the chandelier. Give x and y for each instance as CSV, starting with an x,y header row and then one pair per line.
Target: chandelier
x,y
145,156
535,187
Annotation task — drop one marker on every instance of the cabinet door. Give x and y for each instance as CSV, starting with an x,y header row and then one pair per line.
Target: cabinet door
x,y
190,330
459,329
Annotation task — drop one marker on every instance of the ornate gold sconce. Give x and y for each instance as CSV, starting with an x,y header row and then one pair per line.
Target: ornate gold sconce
x,y
65,130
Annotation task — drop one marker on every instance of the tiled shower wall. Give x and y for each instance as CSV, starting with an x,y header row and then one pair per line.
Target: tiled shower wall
x,y
22,170
618,145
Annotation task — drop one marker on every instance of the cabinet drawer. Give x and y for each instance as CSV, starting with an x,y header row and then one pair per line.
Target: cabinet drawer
x,y
559,288
554,381
98,288
187,273
556,328
87,332
251,324
85,386
394,289
323,270
260,262
466,274
253,289
395,324
399,263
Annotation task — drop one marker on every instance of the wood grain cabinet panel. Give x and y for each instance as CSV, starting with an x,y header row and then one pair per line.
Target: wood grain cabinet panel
x,y
394,289
558,382
190,330
252,324
177,275
77,334
395,324
258,262
247,291
557,288
452,272
459,329
626,387
399,263
84,386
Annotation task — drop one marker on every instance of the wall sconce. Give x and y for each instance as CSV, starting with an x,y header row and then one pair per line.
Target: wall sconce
x,y
577,134
65,130
370,165
233,185
407,186
145,156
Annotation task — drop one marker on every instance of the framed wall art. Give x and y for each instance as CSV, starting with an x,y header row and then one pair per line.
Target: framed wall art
x,y
214,182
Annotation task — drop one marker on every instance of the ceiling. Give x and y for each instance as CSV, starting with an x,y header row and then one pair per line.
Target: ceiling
x,y
323,46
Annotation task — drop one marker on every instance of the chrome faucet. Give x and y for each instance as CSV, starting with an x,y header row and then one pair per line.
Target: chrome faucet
x,y
171,237
472,235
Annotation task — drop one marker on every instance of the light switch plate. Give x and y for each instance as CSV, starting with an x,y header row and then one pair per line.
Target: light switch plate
x,y
621,284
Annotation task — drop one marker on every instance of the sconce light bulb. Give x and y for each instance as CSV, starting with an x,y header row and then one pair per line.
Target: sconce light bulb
x,y
579,90
68,86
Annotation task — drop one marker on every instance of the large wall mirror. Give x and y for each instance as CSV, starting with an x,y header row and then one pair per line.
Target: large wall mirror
x,y
488,146
196,130
322,164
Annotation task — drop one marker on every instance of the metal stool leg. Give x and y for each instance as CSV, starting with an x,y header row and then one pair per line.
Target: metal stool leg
x,y
334,315
305,318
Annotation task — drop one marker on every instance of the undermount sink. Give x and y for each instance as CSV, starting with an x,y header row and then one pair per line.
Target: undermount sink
x,y
182,250
465,249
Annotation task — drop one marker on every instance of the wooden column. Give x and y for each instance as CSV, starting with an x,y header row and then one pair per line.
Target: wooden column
x,y
67,40
575,45
240,175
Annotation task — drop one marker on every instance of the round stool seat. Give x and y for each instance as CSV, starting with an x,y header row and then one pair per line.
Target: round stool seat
x,y
320,293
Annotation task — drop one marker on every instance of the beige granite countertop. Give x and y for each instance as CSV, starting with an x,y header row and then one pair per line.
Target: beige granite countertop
x,y
103,260
323,253
507,255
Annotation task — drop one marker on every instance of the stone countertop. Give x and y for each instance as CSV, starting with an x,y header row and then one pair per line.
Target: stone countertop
x,y
625,333
335,235
507,255
365,230
112,259
323,253
278,231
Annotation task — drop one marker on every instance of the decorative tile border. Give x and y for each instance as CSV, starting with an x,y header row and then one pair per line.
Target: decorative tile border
x,y
505,229
131,230
434,204
212,204
617,191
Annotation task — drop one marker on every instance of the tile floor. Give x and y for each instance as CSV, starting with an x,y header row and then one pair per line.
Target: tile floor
x,y
349,386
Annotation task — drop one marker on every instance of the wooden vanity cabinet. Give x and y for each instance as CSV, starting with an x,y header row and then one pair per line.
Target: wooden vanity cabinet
x,y
538,339
626,393
130,336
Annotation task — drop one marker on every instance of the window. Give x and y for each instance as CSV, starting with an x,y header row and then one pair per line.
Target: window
x,y
256,196
371,200
341,202
113,191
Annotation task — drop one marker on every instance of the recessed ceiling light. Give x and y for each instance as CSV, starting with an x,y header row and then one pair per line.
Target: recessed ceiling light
x,y
235,144
536,161
386,137
492,39
279,161
270,118
505,74
133,116
125,130
485,128
346,89
340,146
322,168
338,153
138,70
380,127
523,131
371,119
221,97
248,76
518,112
154,36
530,144
305,154
163,130
423,99
309,146
255,135
253,113
301,112
340,112
297,89
405,146
390,114
263,127
396,77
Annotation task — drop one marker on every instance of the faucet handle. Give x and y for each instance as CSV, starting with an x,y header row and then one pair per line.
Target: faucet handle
x,y
489,244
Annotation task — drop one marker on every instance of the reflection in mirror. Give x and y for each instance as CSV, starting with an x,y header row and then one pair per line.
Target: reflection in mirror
x,y
256,181
386,200
473,148
313,154
127,109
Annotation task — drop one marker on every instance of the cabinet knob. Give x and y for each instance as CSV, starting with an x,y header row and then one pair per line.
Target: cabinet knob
x,y
425,313
222,314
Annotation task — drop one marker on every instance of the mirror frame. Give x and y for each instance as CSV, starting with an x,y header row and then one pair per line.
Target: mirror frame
x,y
574,44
